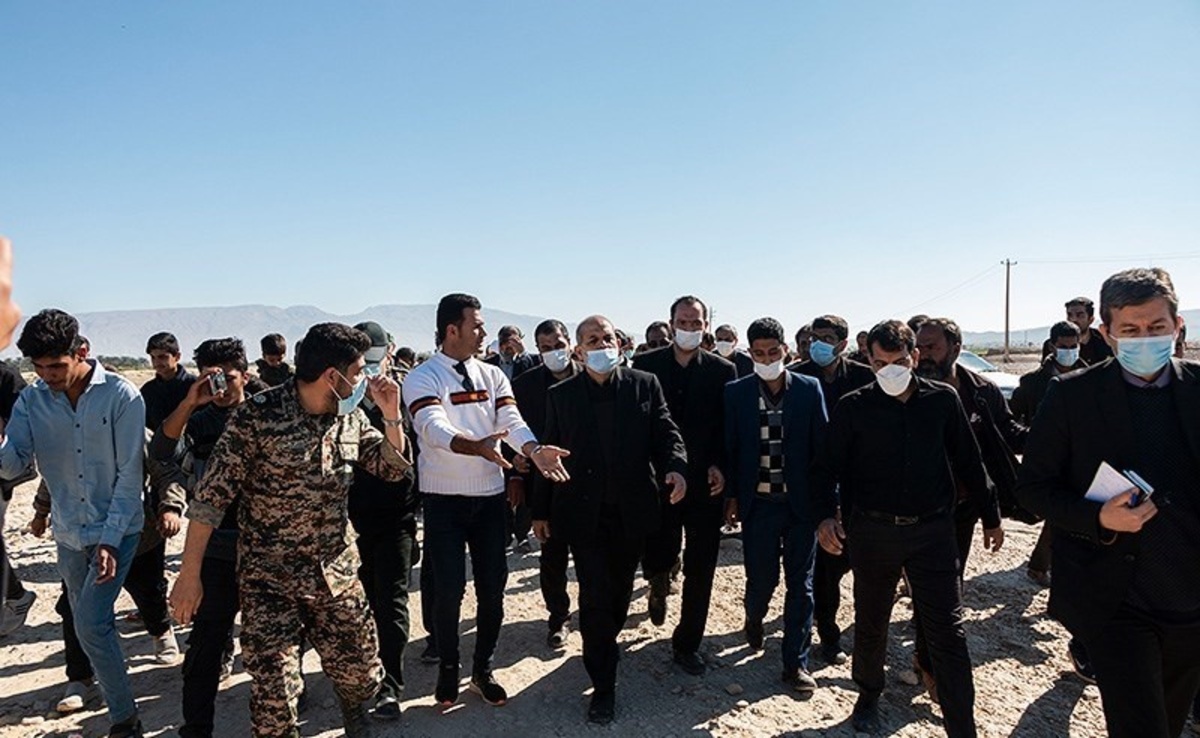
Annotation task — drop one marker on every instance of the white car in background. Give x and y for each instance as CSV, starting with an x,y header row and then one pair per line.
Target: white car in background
x,y
1002,379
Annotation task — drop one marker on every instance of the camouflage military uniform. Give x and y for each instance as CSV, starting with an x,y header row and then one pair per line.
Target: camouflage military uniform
x,y
297,565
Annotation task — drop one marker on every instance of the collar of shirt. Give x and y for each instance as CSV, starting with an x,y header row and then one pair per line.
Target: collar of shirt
x,y
1163,379
98,377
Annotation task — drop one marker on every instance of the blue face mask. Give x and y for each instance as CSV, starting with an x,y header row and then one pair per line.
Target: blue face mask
x,y
346,405
1066,356
1145,357
822,353
603,361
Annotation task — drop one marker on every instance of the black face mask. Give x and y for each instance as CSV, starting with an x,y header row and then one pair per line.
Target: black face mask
x,y
930,369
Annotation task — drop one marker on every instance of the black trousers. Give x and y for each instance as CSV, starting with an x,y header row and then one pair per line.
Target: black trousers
x,y
387,545
455,525
148,588
212,629
965,519
428,585
1148,673
13,588
927,552
552,573
701,520
827,594
520,521
1039,560
605,564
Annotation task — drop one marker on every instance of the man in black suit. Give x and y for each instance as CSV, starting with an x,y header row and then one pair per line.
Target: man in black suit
x,y
531,390
1092,347
1026,399
727,347
623,443
1127,571
693,382
510,355
839,376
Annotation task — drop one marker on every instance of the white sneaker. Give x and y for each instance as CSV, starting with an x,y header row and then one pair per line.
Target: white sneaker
x,y
166,649
76,697
16,612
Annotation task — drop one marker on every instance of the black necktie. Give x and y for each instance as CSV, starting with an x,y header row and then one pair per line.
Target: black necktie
x,y
467,384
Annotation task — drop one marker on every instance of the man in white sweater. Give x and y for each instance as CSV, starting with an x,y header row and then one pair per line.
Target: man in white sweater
x,y
462,409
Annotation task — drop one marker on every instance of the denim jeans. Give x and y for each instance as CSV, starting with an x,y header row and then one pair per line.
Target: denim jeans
x,y
455,525
92,605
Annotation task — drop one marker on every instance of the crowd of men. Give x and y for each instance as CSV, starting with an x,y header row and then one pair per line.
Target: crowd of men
x,y
303,486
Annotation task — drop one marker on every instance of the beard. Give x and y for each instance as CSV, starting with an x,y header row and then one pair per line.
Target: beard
x,y
930,369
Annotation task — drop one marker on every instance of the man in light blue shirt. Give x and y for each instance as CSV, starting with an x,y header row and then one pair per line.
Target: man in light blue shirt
x,y
85,428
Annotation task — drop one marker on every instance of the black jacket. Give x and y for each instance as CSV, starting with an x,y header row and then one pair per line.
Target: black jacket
x,y
701,418
1081,423
521,363
1028,395
648,440
530,391
999,435
742,362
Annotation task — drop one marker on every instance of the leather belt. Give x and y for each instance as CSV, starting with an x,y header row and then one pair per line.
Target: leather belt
x,y
902,520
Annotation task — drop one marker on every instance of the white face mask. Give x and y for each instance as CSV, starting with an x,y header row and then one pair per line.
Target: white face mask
x,y
725,348
769,372
557,360
894,379
688,340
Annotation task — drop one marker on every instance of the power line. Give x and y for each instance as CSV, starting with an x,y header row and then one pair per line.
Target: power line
x,y
961,285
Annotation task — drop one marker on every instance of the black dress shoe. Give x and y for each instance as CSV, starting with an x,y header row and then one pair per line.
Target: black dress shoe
x,y
430,654
1081,661
754,635
485,686
603,708
660,586
833,654
446,692
387,708
800,681
691,662
865,717
557,638
130,728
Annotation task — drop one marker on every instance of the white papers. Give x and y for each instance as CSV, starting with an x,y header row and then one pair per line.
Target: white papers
x,y
1107,484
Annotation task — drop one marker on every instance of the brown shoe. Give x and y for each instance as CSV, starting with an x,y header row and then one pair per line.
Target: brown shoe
x,y
926,679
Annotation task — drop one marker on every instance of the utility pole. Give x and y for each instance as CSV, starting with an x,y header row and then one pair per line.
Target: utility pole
x,y
1008,265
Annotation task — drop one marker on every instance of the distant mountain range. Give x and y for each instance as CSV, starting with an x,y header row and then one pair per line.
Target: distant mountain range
x,y
124,332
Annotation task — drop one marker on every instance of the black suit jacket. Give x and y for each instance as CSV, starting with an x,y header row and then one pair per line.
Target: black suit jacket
x,y
521,363
648,440
701,419
743,363
1083,421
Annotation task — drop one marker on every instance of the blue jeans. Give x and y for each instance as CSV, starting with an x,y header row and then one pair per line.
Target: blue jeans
x,y
455,524
92,605
769,532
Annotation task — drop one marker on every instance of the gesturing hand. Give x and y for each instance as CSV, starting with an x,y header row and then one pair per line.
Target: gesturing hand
x,y
385,393
548,460
678,487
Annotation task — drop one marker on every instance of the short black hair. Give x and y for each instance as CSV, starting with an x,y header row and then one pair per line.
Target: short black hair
x,y
687,300
406,354
273,344
508,331
450,312
1063,329
658,324
806,328
892,335
547,327
1083,302
50,333
728,329
766,328
221,352
948,328
329,345
1137,287
837,324
163,342
915,323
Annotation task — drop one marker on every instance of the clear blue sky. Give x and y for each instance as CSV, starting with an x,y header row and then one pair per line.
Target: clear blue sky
x,y
564,158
